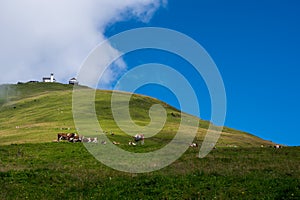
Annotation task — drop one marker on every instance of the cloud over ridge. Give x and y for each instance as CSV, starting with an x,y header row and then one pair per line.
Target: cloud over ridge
x,y
42,36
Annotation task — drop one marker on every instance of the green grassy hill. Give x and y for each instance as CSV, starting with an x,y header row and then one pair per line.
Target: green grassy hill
x,y
34,167
36,112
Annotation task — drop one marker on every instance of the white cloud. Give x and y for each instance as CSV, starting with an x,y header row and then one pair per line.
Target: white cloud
x,y
38,37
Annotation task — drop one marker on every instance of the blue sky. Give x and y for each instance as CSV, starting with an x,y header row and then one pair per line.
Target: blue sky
x,y
255,45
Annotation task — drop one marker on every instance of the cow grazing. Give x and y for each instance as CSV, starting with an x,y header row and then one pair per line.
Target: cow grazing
x,y
116,143
194,144
132,143
139,138
95,140
89,140
63,136
75,138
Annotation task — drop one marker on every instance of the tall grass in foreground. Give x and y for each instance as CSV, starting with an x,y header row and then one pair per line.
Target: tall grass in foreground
x,y
68,171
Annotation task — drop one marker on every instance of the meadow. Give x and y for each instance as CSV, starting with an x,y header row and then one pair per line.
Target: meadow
x,y
67,171
242,166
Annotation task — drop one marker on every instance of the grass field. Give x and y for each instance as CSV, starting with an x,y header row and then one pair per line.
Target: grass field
x,y
34,167
68,171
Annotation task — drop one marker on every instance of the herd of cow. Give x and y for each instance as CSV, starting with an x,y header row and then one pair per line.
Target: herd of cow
x,y
73,137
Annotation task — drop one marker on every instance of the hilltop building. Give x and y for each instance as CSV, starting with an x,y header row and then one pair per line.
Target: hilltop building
x,y
73,81
50,79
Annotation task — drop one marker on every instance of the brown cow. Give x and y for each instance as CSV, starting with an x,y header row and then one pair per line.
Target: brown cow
x,y
65,136
75,138
62,136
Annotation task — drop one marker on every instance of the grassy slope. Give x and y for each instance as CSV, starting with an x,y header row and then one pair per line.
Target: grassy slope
x,y
35,112
67,171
